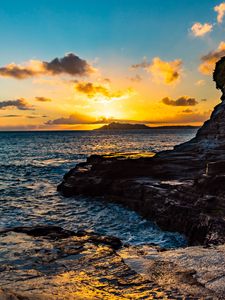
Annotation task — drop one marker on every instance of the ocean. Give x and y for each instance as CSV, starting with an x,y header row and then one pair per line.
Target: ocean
x,y
32,164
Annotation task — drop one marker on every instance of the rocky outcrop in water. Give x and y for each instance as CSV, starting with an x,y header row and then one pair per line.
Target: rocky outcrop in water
x,y
48,262
181,189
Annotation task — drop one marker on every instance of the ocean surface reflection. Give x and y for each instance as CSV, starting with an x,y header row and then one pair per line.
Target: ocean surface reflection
x,y
33,163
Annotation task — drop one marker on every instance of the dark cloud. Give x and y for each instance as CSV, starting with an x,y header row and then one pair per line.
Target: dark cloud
x,y
10,116
209,60
43,99
182,101
141,65
70,64
20,104
17,72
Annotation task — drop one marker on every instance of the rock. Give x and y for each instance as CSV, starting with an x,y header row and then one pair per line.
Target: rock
x,y
198,266
43,230
8,295
215,168
85,265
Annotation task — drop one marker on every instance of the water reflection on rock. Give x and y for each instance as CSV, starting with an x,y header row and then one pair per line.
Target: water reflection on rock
x,y
52,263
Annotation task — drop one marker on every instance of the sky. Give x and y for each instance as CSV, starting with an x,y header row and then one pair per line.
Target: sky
x,y
67,65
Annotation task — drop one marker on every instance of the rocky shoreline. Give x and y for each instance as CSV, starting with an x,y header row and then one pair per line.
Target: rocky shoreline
x,y
192,206
182,190
48,262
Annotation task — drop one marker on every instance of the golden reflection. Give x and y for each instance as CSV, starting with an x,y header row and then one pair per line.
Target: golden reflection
x,y
81,268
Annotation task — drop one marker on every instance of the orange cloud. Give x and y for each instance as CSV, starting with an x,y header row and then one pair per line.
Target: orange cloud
x,y
187,111
200,30
209,60
101,92
220,9
43,99
167,71
70,64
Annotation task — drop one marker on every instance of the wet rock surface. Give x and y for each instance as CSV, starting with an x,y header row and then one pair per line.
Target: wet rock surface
x,y
52,263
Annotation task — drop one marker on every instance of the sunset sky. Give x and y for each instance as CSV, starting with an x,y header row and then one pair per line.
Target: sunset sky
x,y
80,64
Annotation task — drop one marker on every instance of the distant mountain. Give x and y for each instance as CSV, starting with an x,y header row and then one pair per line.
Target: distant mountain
x,y
123,126
128,126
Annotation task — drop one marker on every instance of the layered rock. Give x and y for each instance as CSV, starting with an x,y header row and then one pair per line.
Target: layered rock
x,y
48,262
182,189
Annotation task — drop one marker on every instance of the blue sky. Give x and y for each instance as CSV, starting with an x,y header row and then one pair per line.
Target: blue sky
x,y
111,35
46,28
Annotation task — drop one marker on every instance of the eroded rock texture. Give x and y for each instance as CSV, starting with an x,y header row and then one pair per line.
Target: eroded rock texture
x,y
52,263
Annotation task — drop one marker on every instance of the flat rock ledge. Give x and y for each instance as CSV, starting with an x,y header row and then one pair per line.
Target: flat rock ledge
x,y
48,262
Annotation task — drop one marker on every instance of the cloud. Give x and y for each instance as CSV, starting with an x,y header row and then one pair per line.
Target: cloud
x,y
209,60
170,71
10,116
43,99
200,30
142,65
187,111
167,71
220,9
70,64
20,104
101,92
32,117
77,118
182,101
136,78
186,116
